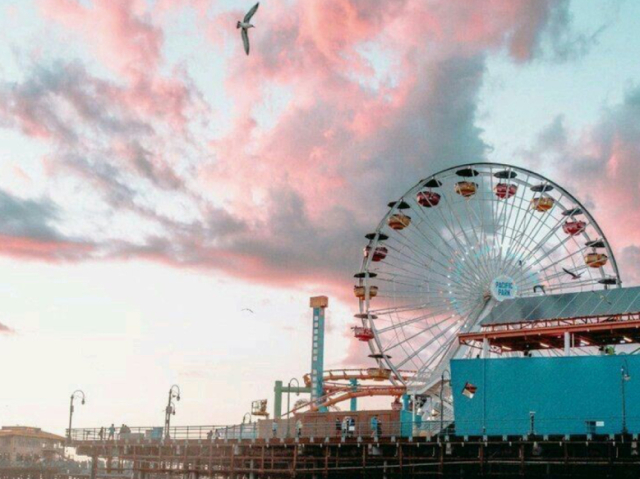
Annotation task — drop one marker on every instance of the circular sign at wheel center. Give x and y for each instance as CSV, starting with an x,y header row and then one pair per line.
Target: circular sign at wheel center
x,y
504,287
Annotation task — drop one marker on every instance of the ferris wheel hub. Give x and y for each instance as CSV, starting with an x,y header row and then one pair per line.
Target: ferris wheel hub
x,y
504,287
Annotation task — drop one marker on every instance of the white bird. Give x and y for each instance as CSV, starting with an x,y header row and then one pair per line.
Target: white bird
x,y
247,309
245,25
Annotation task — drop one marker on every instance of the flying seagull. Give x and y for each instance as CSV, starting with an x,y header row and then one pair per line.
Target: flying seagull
x,y
573,275
245,26
247,309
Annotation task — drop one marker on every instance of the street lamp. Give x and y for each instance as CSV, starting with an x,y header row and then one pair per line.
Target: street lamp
x,y
174,392
288,400
76,393
624,377
442,400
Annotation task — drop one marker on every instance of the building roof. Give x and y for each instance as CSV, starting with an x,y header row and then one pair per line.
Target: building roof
x,y
612,302
26,431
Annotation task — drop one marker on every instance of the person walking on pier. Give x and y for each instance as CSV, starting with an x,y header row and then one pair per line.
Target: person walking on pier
x,y
375,426
338,427
101,433
298,428
274,428
345,427
112,432
352,427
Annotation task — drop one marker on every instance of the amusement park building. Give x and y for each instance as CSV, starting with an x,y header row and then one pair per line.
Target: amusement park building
x,y
20,443
573,394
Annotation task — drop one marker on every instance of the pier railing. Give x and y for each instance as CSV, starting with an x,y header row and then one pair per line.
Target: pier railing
x,y
291,429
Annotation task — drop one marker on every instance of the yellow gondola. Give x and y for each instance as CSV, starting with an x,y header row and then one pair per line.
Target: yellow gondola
x,y
399,221
542,203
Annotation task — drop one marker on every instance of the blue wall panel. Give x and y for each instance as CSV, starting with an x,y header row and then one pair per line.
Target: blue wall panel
x,y
569,395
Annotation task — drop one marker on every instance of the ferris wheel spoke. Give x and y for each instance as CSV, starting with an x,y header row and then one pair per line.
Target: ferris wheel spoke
x,y
402,308
435,358
551,232
418,250
455,237
415,335
425,236
418,351
538,248
478,240
553,250
571,285
412,321
559,261
523,193
431,271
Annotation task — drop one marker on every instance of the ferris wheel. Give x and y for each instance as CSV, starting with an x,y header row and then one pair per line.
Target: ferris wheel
x,y
458,243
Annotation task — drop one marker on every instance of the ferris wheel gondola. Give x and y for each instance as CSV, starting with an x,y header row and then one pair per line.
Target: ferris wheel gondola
x,y
456,244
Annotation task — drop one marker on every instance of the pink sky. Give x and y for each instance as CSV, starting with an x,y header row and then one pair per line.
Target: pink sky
x,y
138,143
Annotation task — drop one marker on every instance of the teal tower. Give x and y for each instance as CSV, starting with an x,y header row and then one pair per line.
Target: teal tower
x,y
319,304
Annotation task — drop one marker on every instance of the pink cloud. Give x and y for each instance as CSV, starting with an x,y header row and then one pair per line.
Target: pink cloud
x,y
600,166
286,203
122,39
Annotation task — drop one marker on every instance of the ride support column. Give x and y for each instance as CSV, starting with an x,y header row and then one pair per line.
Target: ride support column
x,y
319,304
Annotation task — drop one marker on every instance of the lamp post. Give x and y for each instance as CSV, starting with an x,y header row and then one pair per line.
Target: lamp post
x,y
442,399
624,377
289,399
174,392
76,393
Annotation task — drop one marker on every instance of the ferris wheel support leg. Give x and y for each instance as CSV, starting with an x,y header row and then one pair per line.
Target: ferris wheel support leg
x,y
434,378
485,348
567,343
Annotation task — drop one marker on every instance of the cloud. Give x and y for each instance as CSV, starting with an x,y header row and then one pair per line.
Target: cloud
x,y
4,329
378,95
600,166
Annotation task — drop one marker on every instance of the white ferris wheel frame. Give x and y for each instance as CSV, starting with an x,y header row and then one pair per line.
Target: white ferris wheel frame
x,y
428,374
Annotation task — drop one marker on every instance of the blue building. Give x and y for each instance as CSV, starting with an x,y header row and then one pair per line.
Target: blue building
x,y
552,365
546,395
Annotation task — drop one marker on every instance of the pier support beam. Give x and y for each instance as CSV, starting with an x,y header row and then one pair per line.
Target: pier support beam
x,y
94,467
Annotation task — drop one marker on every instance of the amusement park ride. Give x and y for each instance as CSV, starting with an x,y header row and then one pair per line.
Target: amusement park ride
x,y
448,251
479,261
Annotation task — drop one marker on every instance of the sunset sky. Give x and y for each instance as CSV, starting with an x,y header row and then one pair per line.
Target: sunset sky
x,y
155,181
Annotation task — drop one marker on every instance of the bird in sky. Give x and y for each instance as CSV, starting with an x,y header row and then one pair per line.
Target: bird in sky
x,y
247,309
245,25
573,275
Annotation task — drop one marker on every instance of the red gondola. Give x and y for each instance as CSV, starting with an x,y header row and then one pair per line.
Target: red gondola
x,y
363,334
428,199
399,221
379,253
573,228
505,191
360,292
